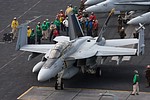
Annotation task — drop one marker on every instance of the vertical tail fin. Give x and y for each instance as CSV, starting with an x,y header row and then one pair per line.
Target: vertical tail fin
x,y
22,36
75,29
141,44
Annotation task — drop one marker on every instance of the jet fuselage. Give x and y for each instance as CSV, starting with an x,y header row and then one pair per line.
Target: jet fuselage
x,y
54,65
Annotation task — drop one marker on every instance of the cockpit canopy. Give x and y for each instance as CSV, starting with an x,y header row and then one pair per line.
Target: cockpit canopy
x,y
57,51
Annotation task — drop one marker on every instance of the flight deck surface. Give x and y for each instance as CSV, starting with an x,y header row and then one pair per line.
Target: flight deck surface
x,y
49,93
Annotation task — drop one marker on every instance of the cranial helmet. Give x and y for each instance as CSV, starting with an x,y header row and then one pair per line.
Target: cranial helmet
x,y
148,66
135,71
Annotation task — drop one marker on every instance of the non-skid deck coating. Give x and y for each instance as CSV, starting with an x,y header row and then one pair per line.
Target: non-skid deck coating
x,y
49,93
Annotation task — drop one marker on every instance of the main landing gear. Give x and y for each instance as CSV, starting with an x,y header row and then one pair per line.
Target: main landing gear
x,y
59,85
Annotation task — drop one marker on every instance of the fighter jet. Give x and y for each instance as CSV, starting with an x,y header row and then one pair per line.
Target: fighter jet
x,y
119,5
92,2
144,19
76,52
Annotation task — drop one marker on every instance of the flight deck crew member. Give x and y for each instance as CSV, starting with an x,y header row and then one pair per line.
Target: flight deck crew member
x,y
90,28
38,25
135,83
52,27
61,17
82,5
68,10
122,33
55,33
39,34
95,28
28,33
44,30
86,25
75,10
120,21
83,20
65,22
136,33
48,25
14,26
92,16
57,23
147,75
32,37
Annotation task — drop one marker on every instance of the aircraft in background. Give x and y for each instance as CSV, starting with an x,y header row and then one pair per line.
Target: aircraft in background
x,y
119,5
144,19
125,6
92,2
76,52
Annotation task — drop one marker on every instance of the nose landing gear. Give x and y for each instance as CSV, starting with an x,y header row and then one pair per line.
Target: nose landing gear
x,y
59,85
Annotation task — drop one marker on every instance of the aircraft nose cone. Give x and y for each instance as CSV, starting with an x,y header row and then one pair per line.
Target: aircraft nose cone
x,y
132,21
89,9
94,8
92,2
136,20
84,10
44,75
88,2
37,67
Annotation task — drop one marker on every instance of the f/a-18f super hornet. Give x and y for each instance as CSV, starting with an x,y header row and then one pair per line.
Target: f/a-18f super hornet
x,y
76,52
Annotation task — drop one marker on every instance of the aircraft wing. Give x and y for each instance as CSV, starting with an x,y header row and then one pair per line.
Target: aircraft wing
x,y
88,50
43,48
38,48
121,42
134,3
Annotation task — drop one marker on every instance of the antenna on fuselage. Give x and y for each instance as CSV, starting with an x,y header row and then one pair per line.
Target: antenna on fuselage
x,y
104,26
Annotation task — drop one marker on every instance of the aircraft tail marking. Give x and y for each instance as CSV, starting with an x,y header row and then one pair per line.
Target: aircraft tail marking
x,y
75,29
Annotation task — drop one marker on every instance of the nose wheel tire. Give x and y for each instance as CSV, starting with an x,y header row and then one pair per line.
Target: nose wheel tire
x,y
59,86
